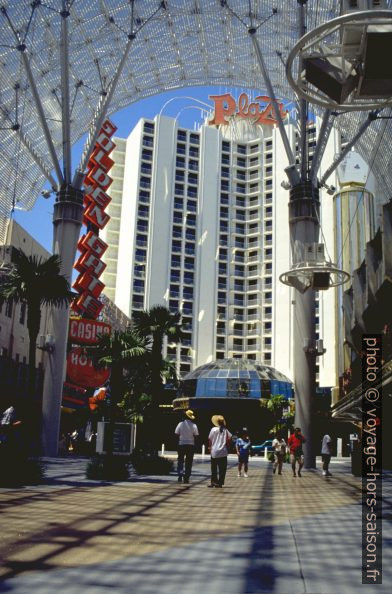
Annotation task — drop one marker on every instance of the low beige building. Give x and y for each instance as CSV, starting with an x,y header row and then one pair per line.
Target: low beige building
x,y
14,337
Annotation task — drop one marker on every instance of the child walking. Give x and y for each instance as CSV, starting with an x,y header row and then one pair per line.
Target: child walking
x,y
242,446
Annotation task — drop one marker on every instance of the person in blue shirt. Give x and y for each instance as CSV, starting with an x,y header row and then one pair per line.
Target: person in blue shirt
x,y
242,447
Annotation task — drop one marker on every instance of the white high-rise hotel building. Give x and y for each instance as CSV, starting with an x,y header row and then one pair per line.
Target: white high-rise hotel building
x,y
199,223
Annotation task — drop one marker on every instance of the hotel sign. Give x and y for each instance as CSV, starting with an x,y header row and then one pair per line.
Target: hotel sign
x,y
260,111
89,264
84,331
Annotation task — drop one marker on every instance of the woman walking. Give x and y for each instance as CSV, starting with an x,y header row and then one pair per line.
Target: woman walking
x,y
279,446
218,443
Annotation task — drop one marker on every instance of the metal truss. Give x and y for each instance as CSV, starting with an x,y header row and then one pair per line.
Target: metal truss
x,y
65,58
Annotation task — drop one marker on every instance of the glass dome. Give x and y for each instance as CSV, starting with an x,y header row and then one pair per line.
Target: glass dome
x,y
235,378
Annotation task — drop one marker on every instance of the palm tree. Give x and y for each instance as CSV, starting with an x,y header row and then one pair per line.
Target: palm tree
x,y
36,282
119,351
159,322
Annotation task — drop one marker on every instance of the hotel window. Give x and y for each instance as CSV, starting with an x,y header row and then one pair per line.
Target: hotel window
x,y
224,199
225,159
146,155
147,141
240,228
240,189
239,271
241,148
189,263
176,246
181,149
224,212
173,305
222,268
146,168
190,234
194,138
225,146
187,309
224,185
192,178
188,277
268,144
137,301
222,282
225,172
190,248
191,205
193,151
181,135
241,162
193,165
148,127
253,161
221,297
175,276
179,189
187,293
176,261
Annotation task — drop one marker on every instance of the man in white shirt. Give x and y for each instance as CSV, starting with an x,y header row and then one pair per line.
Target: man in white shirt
x,y
186,431
326,451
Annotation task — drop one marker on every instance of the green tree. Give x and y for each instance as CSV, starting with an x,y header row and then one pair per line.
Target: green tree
x,y
121,351
36,282
158,323
281,418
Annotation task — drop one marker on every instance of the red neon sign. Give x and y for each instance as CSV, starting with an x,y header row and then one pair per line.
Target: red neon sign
x,y
261,110
89,264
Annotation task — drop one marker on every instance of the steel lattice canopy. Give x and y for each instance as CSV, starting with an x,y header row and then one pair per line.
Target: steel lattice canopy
x,y
179,43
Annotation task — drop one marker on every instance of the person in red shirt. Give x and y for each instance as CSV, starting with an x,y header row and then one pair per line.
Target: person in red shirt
x,y
295,442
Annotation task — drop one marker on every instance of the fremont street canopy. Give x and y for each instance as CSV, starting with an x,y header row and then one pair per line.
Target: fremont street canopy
x,y
159,46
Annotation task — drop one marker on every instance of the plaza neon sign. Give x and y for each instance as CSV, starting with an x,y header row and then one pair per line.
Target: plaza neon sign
x,y
260,111
89,264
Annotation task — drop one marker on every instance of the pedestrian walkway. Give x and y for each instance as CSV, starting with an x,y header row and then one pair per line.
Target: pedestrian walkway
x,y
149,535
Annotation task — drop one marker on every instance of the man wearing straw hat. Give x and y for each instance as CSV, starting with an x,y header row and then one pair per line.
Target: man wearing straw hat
x,y
186,431
218,442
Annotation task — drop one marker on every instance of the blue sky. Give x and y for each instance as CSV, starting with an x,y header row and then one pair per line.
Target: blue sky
x,y
38,221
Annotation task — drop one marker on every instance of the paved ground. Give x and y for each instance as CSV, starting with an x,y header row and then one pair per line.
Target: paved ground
x,y
267,533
